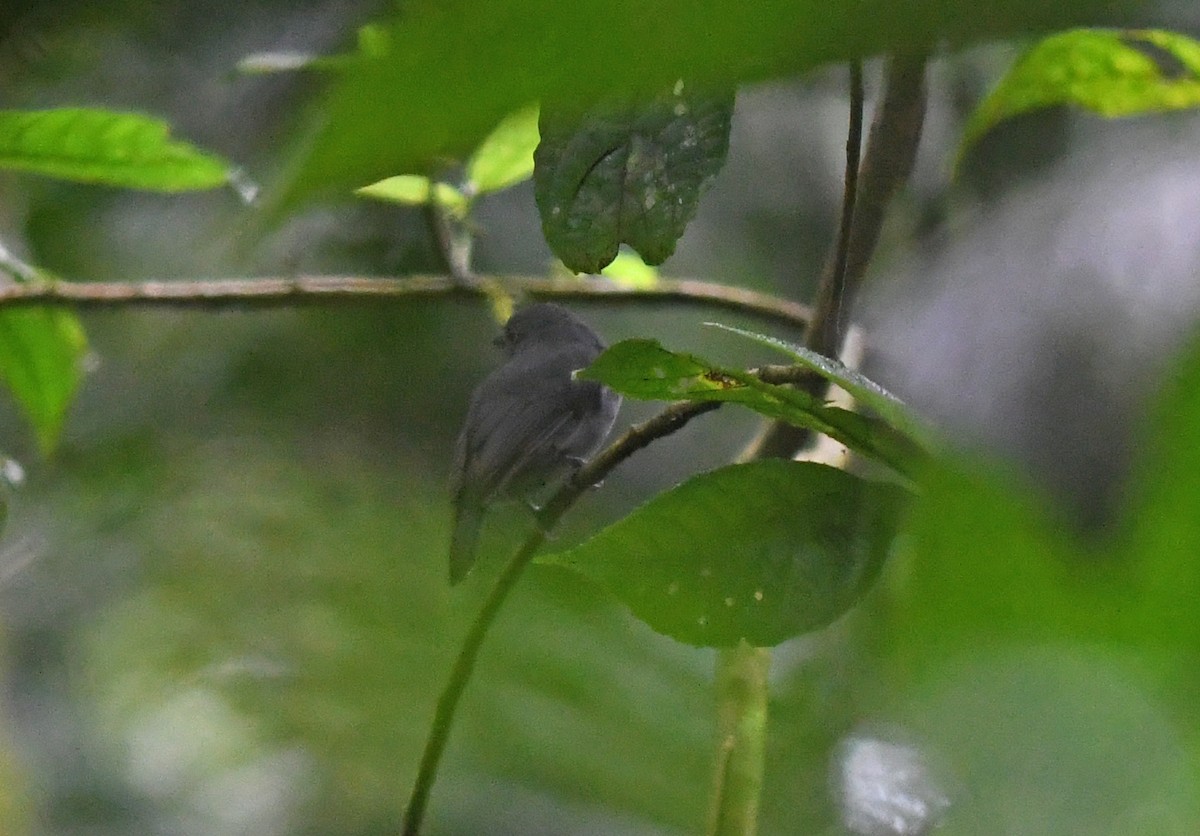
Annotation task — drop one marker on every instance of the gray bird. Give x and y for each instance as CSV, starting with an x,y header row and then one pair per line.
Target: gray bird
x,y
529,424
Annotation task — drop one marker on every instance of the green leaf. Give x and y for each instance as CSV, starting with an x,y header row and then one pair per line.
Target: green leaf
x,y
628,270
643,369
41,350
762,551
414,190
628,174
456,67
102,146
505,158
986,563
864,390
1111,73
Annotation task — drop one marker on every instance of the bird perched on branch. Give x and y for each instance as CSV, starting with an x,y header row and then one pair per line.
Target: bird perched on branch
x,y
530,424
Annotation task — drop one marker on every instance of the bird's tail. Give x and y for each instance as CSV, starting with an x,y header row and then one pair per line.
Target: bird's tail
x,y
464,540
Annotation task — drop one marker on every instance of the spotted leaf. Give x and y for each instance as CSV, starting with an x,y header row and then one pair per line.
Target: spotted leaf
x,y
762,551
629,173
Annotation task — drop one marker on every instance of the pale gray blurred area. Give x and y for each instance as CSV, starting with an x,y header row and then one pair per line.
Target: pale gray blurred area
x,y
886,788
1039,324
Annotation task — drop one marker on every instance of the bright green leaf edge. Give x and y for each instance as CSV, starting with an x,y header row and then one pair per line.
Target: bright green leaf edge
x,y
41,350
628,270
101,146
415,190
505,157
1096,69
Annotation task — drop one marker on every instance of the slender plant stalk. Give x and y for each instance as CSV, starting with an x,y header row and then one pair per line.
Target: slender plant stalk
x,y
637,437
742,690
870,183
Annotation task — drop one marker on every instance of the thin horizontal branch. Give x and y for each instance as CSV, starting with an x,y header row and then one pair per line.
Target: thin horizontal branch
x,y
284,292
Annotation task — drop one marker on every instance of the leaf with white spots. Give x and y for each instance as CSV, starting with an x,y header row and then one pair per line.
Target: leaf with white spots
x,y
761,551
627,173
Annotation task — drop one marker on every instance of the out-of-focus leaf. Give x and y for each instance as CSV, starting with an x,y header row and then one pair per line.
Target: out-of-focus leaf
x,y
102,146
629,173
985,563
1058,674
762,551
1112,73
629,270
414,190
40,361
505,158
456,67
643,369
864,390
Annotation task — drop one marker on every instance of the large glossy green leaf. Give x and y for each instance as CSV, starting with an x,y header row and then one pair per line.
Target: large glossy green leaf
x,y
762,551
628,173
41,350
1109,72
101,146
643,369
456,67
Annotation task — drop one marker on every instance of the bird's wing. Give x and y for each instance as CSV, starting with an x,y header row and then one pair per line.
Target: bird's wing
x,y
515,418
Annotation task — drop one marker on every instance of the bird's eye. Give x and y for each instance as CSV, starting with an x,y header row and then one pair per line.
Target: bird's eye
x,y
501,340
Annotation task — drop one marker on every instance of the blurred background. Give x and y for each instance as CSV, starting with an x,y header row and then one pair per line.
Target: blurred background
x,y
222,602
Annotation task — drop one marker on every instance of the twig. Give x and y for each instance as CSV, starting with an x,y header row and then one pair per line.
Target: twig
x,y
831,300
284,292
666,422
888,160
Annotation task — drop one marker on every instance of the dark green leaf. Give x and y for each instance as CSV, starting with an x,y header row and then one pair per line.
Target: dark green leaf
x,y
762,551
864,390
627,174
40,356
1111,73
101,146
645,370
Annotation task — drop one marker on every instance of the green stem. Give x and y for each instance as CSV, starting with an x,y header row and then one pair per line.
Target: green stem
x,y
464,664
741,739
635,438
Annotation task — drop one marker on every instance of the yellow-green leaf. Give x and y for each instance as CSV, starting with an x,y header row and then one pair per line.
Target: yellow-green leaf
x,y
1109,72
41,350
415,190
505,157
101,146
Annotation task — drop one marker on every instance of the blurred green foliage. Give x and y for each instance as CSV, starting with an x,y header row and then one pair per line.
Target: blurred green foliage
x,y
225,596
